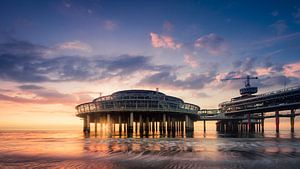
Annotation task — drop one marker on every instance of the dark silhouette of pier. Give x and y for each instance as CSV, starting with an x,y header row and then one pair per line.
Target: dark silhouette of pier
x,y
139,111
248,114
146,111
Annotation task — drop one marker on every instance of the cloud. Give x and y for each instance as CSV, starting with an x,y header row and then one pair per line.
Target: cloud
x,y
168,26
169,79
262,71
162,41
30,66
190,60
17,47
292,70
212,43
75,45
39,95
245,65
30,87
279,26
110,25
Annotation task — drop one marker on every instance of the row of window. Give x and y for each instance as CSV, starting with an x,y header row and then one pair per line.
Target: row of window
x,y
96,106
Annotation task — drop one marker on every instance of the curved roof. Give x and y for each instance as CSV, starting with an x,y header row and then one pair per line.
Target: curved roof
x,y
137,92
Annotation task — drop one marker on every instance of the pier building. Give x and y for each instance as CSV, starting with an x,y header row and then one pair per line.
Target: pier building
x,y
141,111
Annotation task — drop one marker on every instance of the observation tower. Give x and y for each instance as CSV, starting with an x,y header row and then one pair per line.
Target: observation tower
x,y
138,110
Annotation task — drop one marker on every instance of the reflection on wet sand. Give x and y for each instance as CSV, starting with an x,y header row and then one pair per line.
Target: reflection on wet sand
x,y
70,149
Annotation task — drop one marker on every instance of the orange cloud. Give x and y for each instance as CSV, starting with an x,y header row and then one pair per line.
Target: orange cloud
x,y
162,41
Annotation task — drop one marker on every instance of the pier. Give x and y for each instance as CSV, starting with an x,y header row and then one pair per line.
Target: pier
x,y
143,112
248,114
139,111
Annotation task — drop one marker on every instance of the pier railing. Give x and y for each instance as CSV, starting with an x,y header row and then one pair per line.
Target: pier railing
x,y
149,106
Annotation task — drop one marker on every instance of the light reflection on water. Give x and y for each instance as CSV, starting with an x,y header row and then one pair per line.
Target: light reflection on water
x,y
71,149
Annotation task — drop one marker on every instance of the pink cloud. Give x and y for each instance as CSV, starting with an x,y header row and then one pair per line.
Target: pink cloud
x,y
190,60
263,71
162,41
292,70
75,45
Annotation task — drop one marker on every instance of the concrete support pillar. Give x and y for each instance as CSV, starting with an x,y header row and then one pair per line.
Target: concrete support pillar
x,y
173,125
187,127
108,123
292,120
259,125
191,124
130,125
277,121
182,126
153,125
160,127
96,124
100,124
136,126
249,122
169,124
141,123
86,124
147,125
120,124
164,123
204,126
262,122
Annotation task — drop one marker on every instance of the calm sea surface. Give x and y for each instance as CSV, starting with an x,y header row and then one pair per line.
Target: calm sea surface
x,y
71,149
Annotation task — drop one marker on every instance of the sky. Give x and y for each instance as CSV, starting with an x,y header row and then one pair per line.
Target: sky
x,y
60,53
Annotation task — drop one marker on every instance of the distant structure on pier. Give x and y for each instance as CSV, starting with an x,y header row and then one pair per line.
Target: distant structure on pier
x,y
139,110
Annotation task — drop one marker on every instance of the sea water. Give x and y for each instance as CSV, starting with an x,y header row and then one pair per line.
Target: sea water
x,y
73,149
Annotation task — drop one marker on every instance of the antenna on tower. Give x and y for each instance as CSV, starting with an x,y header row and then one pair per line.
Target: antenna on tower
x,y
100,94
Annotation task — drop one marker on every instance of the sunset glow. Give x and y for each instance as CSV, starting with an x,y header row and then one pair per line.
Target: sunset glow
x,y
57,54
